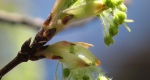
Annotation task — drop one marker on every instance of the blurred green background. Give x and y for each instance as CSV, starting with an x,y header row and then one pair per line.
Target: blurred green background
x,y
12,36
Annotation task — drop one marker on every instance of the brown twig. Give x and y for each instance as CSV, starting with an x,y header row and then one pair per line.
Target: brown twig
x,y
17,60
28,52
51,26
14,18
21,57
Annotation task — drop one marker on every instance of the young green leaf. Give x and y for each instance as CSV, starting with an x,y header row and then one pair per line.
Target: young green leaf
x,y
71,54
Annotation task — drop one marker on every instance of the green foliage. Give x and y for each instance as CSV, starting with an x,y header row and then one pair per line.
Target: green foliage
x,y
86,73
66,72
111,12
119,17
85,77
80,63
70,3
122,7
81,56
112,3
80,8
112,18
113,30
108,40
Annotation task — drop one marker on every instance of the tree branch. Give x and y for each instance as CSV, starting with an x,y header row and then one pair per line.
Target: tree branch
x,y
28,50
14,18
51,26
16,61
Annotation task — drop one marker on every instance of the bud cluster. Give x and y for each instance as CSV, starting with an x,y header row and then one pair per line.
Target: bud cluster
x,y
78,62
111,12
86,73
112,18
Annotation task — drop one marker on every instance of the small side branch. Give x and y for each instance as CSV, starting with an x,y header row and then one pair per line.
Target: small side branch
x,y
14,18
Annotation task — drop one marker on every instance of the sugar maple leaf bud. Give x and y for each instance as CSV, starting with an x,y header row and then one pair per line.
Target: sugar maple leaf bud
x,y
114,13
113,3
108,40
119,17
118,2
86,9
122,16
122,7
84,73
70,54
110,3
113,30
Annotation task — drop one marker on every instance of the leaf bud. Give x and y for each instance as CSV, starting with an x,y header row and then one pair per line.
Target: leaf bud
x,y
122,7
119,17
108,40
113,30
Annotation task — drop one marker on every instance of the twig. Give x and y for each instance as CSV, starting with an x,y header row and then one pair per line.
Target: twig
x,y
14,18
16,61
28,52
51,26
21,57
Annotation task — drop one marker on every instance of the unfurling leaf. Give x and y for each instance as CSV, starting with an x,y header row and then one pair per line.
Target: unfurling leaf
x,y
73,55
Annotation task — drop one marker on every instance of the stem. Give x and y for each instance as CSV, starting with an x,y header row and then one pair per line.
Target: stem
x,y
105,25
62,70
16,61
56,74
27,49
129,30
14,18
52,21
